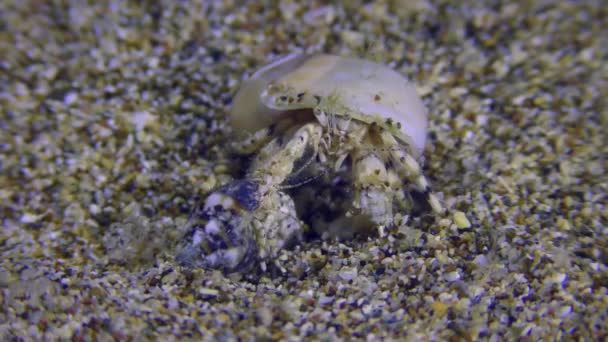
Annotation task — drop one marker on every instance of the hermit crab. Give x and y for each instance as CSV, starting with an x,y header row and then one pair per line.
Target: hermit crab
x,y
312,124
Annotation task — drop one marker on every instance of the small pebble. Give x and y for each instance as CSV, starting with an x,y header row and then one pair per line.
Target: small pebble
x,y
461,220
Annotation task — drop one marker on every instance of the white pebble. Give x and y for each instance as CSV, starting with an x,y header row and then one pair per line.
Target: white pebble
x,y
348,273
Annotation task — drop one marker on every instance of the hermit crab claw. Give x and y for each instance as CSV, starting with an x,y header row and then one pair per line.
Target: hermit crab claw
x,y
217,235
238,226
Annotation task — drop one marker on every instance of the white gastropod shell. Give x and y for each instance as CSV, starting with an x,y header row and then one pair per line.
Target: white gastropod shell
x,y
366,91
354,119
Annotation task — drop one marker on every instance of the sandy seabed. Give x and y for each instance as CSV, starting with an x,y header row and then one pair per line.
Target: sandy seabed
x,y
113,127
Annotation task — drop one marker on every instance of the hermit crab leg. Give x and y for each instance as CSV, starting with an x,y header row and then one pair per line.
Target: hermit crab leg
x,y
264,158
238,225
410,169
370,180
280,165
296,179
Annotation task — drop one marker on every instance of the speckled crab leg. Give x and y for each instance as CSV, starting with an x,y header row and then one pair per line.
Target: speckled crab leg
x,y
370,180
278,166
410,169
